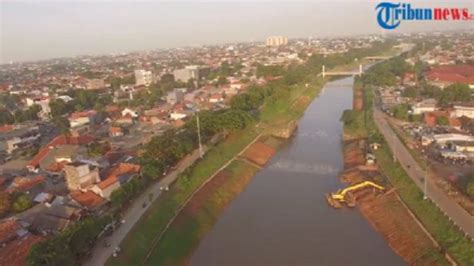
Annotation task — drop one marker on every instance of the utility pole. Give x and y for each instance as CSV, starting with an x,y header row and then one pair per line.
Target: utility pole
x,y
425,184
199,135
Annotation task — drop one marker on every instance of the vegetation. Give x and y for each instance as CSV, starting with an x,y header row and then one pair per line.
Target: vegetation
x,y
455,93
69,246
401,111
21,203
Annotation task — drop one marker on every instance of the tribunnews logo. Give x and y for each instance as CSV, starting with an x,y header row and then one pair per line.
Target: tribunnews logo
x,y
390,15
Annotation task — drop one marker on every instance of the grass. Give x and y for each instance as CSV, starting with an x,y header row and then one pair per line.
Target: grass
x,y
138,241
183,237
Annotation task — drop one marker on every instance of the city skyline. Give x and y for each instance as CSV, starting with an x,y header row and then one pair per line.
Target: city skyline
x,y
34,31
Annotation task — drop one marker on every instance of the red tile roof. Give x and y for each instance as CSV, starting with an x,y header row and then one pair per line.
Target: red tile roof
x,y
59,140
115,129
8,229
456,73
82,114
88,199
124,168
6,128
107,182
26,183
15,253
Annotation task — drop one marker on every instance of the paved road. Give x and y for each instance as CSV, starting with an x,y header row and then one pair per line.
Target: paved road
x,y
450,207
132,215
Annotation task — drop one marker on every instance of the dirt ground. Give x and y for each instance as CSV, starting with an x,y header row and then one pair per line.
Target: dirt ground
x,y
385,211
259,153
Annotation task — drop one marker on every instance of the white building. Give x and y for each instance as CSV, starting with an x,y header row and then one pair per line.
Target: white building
x,y
459,111
428,105
143,77
187,73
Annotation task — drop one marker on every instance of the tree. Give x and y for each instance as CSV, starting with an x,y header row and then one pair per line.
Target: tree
x,y
410,92
401,111
442,121
21,203
59,107
6,117
62,123
455,93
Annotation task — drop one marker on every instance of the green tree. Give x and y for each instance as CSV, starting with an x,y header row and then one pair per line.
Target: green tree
x,y
62,123
21,203
401,111
442,121
455,93
410,92
6,117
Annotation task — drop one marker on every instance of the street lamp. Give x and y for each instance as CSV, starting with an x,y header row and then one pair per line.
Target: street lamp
x,y
198,132
425,184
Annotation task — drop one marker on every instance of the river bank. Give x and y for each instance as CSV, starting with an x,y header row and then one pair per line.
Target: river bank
x,y
407,221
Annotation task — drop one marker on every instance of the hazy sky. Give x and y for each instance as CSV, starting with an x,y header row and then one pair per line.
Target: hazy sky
x,y
32,30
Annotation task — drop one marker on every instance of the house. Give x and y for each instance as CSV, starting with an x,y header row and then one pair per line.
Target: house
x,y
216,98
428,105
30,185
78,119
15,242
175,96
129,112
177,115
87,199
463,146
13,137
80,175
115,132
117,176
106,187
459,111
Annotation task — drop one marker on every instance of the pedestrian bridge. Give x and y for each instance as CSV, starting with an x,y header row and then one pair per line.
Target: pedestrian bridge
x,y
341,73
352,73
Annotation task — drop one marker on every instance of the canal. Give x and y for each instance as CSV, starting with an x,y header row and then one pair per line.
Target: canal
x,y
282,217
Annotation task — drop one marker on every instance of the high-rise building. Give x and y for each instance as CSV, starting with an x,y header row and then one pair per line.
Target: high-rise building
x,y
191,72
143,77
277,41
80,175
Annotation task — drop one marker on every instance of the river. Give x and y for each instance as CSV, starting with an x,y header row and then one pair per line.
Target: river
x,y
282,217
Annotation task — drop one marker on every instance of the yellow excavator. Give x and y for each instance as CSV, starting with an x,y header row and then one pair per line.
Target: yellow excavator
x,y
344,196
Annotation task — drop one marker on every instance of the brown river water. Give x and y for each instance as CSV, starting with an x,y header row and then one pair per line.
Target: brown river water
x,y
282,218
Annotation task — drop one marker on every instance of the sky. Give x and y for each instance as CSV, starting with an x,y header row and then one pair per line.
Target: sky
x,y
34,30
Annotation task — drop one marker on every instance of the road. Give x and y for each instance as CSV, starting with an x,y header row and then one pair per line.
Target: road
x,y
449,206
132,215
